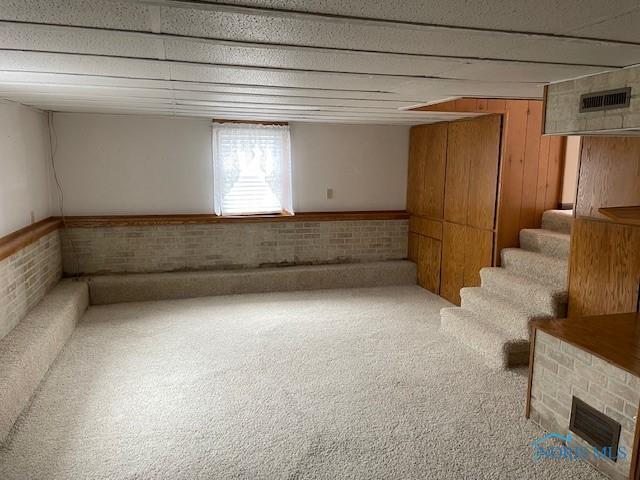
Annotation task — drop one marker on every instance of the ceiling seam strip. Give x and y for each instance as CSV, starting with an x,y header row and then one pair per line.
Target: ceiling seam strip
x,y
305,47
327,17
231,66
199,82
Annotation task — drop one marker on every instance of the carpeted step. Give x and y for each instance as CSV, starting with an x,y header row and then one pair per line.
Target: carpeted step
x,y
558,220
498,348
175,285
497,310
539,297
547,242
542,268
27,351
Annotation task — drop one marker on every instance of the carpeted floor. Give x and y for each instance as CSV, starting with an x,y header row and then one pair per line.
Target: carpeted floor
x,y
324,384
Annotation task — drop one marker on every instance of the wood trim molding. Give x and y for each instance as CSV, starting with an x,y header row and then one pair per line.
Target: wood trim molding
x,y
10,244
203,219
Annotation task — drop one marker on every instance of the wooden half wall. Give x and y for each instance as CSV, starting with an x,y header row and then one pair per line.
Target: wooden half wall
x,y
531,165
604,274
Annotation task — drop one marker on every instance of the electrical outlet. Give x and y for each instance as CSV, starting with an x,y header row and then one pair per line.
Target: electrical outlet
x,y
33,217
329,193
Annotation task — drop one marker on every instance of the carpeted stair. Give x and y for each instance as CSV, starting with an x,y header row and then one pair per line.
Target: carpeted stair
x,y
493,319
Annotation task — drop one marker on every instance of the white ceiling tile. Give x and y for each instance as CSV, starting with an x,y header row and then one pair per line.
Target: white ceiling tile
x,y
331,33
544,16
122,15
82,65
625,27
79,40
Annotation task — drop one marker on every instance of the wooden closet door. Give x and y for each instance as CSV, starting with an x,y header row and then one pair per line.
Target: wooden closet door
x,y
484,134
427,161
456,191
473,155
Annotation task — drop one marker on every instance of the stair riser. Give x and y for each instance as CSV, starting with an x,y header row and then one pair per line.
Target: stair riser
x,y
559,223
492,350
518,322
552,246
539,270
545,304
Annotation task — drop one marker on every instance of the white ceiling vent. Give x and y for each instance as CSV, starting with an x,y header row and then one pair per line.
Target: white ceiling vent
x,y
607,100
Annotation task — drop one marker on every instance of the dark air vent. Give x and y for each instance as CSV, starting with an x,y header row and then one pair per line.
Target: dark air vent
x,y
592,102
595,427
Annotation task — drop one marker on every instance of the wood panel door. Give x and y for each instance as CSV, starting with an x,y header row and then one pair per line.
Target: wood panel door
x,y
473,157
453,254
427,161
483,170
604,268
426,253
465,250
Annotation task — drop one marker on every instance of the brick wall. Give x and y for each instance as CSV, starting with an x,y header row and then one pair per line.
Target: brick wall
x,y
26,276
563,100
220,246
561,371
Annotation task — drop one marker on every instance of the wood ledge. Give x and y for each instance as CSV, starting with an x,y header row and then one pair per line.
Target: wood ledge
x,y
12,243
204,219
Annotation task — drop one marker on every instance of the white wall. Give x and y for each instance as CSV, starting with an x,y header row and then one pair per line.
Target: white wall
x,y
365,165
121,164
570,175
25,187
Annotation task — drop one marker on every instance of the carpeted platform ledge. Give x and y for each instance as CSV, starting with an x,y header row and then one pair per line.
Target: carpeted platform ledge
x,y
27,352
177,285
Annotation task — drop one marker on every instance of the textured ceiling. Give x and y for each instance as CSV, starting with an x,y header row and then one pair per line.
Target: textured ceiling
x,y
324,60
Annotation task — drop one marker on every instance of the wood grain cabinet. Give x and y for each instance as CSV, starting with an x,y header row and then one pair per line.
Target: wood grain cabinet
x,y
452,190
473,184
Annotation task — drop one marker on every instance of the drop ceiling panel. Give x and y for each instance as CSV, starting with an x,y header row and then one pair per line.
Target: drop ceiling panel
x,y
545,16
367,35
625,27
301,59
120,15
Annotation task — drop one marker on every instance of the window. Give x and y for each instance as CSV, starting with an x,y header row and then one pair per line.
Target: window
x,y
251,169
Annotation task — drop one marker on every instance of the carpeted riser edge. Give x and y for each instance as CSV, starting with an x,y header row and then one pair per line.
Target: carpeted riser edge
x,y
170,286
552,245
28,351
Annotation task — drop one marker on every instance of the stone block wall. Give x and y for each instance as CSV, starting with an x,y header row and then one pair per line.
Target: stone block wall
x,y
26,276
163,248
563,102
561,371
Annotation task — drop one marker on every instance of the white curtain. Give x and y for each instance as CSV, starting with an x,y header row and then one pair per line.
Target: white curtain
x,y
251,169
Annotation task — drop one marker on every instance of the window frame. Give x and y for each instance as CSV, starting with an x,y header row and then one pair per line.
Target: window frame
x,y
285,197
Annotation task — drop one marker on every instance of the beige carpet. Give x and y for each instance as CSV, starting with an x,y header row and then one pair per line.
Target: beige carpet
x,y
333,384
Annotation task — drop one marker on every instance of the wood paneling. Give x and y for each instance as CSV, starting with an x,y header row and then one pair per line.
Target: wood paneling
x,y
531,167
627,215
604,268
512,174
10,244
429,255
427,160
426,226
609,174
465,250
483,138
453,252
530,170
193,219
459,152
478,254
